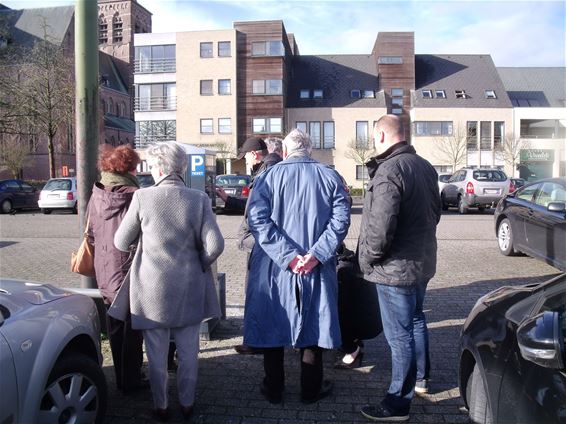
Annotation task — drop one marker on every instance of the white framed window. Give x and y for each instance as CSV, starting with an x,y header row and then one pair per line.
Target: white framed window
x,y
267,125
328,135
396,92
224,87
355,94
396,111
207,126
314,132
206,49
305,94
427,94
397,101
390,60
368,94
460,94
268,48
274,87
362,135
206,87
300,125
490,94
440,94
224,125
275,125
433,128
224,49
258,87
317,94
362,172
259,125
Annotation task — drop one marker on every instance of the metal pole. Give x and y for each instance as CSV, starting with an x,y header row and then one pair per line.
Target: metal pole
x,y
86,102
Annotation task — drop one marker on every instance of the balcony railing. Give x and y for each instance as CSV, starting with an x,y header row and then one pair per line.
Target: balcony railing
x,y
155,103
154,65
142,141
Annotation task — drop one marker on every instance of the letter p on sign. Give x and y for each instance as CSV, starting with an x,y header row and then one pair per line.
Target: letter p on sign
x,y
197,165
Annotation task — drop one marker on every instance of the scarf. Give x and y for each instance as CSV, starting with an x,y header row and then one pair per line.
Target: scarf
x,y
109,179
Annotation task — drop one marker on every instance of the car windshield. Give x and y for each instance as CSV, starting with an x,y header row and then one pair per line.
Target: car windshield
x,y
58,185
444,178
489,175
236,180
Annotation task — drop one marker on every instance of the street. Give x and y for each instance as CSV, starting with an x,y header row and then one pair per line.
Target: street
x,y
38,247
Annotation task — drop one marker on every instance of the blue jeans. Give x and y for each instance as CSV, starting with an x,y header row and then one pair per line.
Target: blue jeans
x,y
405,329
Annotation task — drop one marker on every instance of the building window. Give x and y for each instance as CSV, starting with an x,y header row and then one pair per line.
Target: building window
x,y
328,134
317,94
206,49
224,125
433,128
206,87
301,126
122,109
472,135
368,94
268,48
314,133
148,132
155,97
362,134
266,125
461,94
498,134
397,111
305,94
224,87
116,28
427,94
206,126
390,60
102,30
440,94
485,135
397,102
396,92
271,87
155,58
110,106
224,49
355,94
490,94
362,172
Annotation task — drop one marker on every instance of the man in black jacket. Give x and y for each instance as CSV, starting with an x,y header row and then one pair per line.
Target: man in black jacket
x,y
397,251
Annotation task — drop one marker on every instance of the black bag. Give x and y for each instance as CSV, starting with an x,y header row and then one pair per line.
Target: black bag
x,y
358,304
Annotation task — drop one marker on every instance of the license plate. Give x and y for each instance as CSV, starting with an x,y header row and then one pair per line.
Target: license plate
x,y
230,191
491,191
53,196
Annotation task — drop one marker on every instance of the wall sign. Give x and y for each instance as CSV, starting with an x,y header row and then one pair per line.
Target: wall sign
x,y
537,155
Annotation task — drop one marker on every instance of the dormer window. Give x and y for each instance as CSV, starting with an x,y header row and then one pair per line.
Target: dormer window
x,y
355,94
305,94
440,94
427,94
317,94
368,94
461,94
490,94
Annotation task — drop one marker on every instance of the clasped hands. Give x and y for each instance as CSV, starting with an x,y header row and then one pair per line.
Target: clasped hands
x,y
303,264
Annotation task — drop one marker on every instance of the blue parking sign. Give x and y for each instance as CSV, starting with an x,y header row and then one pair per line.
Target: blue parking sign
x,y
197,165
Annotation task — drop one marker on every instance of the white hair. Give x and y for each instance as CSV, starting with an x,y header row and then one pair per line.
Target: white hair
x,y
274,145
298,142
168,156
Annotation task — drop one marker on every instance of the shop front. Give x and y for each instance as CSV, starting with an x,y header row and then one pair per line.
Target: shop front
x,y
536,164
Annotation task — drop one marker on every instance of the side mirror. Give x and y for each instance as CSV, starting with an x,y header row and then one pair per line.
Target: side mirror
x,y
556,207
541,340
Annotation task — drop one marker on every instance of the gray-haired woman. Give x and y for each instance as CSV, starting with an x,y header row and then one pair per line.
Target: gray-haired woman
x,y
171,287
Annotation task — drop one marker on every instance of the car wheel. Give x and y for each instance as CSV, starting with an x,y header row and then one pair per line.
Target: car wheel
x,y
75,392
477,399
462,207
6,206
505,238
443,203
46,211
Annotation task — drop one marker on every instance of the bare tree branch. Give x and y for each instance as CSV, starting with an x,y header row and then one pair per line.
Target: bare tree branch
x,y
360,151
452,148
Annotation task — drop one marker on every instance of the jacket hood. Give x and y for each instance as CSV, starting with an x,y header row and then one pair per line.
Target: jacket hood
x,y
110,201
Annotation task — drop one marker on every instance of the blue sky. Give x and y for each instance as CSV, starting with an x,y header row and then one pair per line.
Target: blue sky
x,y
515,33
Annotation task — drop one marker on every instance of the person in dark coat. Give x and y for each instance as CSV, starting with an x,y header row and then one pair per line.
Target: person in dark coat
x,y
110,200
397,251
298,213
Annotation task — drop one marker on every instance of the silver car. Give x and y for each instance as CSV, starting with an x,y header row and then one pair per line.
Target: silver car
x,y
474,187
50,358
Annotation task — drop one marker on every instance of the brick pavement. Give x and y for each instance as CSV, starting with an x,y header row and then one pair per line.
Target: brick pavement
x,y
37,247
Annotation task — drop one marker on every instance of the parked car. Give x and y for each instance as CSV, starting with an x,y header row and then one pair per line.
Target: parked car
x,y
17,194
50,356
442,180
533,221
479,188
513,355
233,185
518,182
59,193
145,179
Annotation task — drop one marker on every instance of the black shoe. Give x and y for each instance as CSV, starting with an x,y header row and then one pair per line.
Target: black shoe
x,y
140,386
270,396
383,414
325,390
187,412
161,415
247,350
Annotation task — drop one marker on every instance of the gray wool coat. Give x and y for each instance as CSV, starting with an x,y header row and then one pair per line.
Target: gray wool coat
x,y
171,283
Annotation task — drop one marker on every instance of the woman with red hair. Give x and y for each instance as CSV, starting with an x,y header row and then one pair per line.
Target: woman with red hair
x,y
111,198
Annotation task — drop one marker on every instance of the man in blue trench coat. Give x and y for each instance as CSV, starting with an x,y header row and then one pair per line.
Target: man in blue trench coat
x,y
298,213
